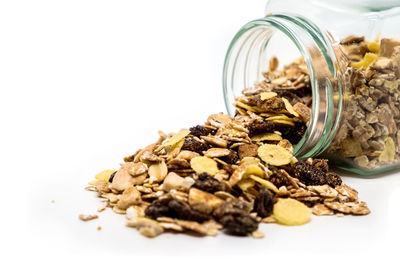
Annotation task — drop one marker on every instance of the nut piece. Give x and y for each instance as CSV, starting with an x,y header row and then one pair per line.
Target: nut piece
x,y
274,155
289,211
87,217
217,152
197,197
158,171
122,180
130,197
172,181
137,169
204,164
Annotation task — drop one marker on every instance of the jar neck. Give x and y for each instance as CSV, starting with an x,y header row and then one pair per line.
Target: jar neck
x,y
247,57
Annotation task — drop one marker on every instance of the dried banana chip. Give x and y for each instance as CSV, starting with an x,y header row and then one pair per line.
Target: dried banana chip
x,y
389,151
176,138
267,95
104,175
289,211
289,107
266,137
265,183
253,170
204,164
274,155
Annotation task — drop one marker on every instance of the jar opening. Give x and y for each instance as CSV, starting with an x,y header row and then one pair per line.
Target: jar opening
x,y
288,37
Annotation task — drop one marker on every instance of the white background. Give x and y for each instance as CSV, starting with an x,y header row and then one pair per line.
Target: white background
x,y
85,83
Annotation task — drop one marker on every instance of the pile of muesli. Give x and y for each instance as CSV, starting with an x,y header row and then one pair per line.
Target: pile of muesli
x,y
229,174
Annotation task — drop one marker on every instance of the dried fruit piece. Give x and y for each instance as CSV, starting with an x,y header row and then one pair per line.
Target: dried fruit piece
x,y
266,137
173,140
104,175
368,59
239,225
265,183
201,131
289,211
208,184
289,107
264,203
204,164
274,155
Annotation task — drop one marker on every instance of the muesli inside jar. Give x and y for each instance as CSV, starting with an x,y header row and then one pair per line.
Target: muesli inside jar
x,y
367,133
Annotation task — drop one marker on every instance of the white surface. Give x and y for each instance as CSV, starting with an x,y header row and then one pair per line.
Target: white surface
x,y
85,83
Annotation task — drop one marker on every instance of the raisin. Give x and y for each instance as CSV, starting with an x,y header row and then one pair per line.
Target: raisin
x,y
232,208
321,164
201,131
194,144
333,179
111,177
261,127
158,208
239,225
232,158
185,212
208,183
174,209
308,174
292,133
264,203
279,179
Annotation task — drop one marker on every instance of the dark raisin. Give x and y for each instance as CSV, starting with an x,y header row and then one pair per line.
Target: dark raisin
x,y
239,225
321,164
232,158
292,133
185,212
264,203
279,179
208,183
158,208
258,127
333,179
201,131
308,174
232,208
111,177
194,144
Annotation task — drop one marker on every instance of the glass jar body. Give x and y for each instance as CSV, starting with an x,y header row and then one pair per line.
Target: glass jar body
x,y
351,54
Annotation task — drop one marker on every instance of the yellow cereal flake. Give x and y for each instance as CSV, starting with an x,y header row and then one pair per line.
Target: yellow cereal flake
x,y
368,59
289,107
279,117
265,183
287,122
266,137
253,169
204,164
374,47
289,211
389,151
104,175
176,138
267,95
274,155
245,184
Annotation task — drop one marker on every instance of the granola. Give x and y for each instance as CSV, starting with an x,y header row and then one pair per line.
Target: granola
x,y
215,177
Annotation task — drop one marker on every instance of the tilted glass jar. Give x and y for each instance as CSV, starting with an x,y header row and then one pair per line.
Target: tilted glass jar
x,y
352,53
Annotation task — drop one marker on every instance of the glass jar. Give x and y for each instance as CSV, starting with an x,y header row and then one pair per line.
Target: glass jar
x,y
351,50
